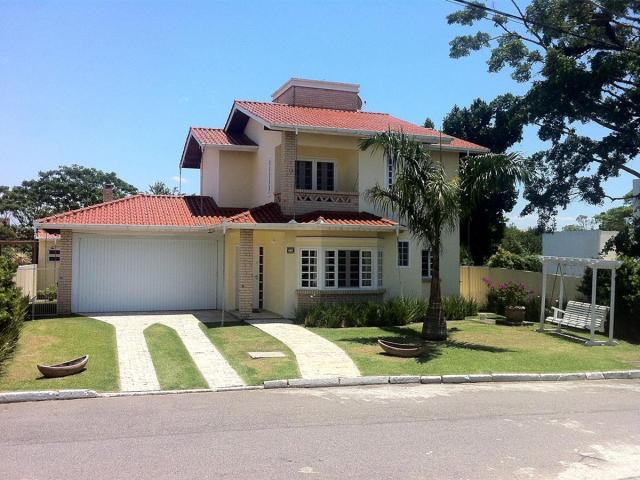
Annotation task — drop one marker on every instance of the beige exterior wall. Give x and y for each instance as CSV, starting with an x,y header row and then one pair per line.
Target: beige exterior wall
x,y
264,171
237,179
209,173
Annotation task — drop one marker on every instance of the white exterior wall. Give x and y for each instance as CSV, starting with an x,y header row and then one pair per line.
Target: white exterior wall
x,y
581,244
264,169
210,173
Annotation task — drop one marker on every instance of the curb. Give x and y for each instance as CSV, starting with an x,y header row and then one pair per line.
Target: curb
x,y
451,379
14,397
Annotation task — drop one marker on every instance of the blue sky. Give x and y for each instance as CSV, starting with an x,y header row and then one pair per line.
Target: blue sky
x,y
115,85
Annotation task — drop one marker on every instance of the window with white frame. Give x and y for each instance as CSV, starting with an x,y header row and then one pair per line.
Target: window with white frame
x,y
54,254
316,174
426,263
403,253
380,259
391,171
330,268
308,268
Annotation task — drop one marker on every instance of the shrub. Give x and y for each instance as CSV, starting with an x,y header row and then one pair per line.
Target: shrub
x,y
506,259
507,294
13,309
457,308
395,311
50,293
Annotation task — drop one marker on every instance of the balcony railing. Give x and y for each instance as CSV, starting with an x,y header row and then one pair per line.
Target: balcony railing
x,y
311,200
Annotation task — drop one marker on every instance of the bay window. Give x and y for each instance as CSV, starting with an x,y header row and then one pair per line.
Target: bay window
x,y
334,268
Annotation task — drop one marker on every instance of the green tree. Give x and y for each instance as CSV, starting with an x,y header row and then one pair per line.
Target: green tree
x,y
496,125
56,191
428,123
13,309
522,242
581,61
615,218
426,201
161,188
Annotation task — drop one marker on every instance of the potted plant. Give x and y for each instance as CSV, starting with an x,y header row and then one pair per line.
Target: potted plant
x,y
508,299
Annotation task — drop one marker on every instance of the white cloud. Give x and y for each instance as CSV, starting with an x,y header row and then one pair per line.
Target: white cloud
x,y
176,179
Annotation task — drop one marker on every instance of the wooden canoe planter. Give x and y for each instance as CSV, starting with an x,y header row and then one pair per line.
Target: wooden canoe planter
x,y
402,349
63,369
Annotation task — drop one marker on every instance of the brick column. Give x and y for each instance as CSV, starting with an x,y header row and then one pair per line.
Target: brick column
x,y
245,294
64,272
287,174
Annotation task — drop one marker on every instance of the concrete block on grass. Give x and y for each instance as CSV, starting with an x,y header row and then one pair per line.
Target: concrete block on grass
x,y
431,379
75,394
480,377
549,377
455,378
275,384
515,377
372,380
314,382
404,379
594,375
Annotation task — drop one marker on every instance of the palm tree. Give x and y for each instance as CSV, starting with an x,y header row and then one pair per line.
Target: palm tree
x,y
426,201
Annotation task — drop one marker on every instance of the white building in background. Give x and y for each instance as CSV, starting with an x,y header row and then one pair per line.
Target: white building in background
x,y
580,244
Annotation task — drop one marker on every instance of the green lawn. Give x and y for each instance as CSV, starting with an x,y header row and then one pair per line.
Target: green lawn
x,y
234,341
56,340
174,366
474,347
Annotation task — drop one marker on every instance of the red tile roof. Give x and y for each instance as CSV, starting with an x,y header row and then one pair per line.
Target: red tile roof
x,y
283,115
217,136
193,211
279,114
143,209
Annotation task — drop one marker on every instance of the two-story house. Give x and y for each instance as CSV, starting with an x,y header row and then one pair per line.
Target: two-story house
x,y
282,219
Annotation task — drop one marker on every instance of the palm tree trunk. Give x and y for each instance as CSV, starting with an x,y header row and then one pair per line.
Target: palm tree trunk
x,y
434,326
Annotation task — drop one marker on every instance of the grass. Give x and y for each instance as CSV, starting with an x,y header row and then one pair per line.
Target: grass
x,y
235,341
56,340
174,366
474,347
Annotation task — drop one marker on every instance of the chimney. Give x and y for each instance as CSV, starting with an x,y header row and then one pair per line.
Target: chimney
x,y
319,94
107,192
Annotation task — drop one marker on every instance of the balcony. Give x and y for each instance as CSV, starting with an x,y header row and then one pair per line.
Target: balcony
x,y
312,200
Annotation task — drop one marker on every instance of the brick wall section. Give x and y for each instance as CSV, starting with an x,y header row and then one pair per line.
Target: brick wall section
x,y
307,298
245,293
287,175
320,97
64,272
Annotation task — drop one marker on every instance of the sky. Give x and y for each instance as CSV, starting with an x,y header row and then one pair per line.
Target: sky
x,y
115,85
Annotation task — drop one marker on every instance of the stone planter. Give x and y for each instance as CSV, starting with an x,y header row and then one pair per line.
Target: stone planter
x,y
515,314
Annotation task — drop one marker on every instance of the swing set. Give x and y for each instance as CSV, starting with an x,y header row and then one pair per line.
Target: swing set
x,y
585,316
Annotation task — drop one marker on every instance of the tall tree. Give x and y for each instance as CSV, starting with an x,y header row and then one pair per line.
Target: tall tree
x,y
616,218
581,61
426,201
496,125
55,191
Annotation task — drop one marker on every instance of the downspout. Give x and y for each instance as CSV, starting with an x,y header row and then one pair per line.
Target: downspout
x,y
224,263
397,264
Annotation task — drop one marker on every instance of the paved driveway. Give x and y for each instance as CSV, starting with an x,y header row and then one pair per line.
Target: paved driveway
x,y
136,368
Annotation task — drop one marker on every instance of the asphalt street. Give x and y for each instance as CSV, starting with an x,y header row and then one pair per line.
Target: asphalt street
x,y
564,430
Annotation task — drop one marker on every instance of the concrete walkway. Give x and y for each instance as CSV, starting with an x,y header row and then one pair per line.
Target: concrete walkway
x,y
136,368
317,357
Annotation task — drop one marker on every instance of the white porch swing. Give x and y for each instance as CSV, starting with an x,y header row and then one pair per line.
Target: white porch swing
x,y
578,314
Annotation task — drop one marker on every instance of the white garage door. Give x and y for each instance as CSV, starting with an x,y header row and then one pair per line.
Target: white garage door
x,y
112,273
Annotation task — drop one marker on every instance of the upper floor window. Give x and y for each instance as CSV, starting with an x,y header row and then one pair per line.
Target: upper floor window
x,y
54,254
427,259
390,171
403,253
318,174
